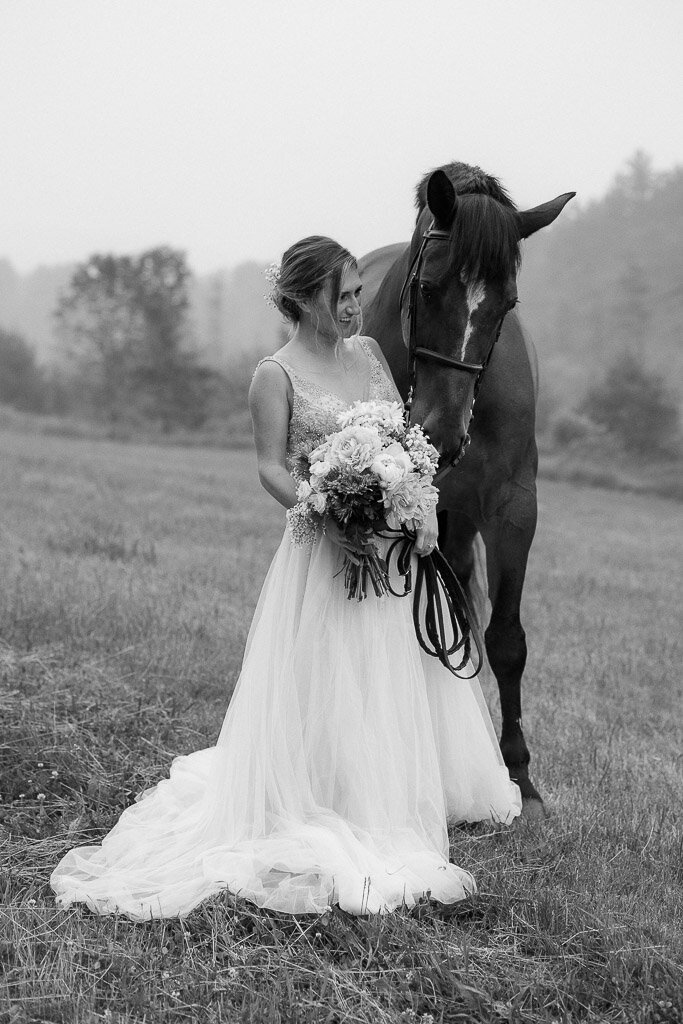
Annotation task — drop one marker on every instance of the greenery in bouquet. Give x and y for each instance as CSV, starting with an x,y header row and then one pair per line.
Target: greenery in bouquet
x,y
372,475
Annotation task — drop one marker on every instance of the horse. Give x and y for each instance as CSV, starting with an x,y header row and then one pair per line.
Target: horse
x,y
442,310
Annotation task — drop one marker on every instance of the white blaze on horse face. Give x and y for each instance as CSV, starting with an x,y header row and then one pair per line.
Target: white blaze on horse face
x,y
476,293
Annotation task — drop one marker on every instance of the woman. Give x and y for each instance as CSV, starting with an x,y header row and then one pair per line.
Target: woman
x,y
345,750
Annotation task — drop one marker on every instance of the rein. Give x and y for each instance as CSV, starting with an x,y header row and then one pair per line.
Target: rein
x,y
450,631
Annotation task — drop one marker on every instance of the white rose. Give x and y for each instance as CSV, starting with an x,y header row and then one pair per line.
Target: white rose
x,y
321,468
406,500
318,502
303,490
392,465
355,447
387,470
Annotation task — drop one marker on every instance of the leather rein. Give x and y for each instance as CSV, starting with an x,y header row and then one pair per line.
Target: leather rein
x,y
450,626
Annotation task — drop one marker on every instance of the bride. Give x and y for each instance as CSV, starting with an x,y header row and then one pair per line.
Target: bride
x,y
345,751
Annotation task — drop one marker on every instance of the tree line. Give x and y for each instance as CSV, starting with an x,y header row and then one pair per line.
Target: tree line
x,y
601,292
124,341
607,280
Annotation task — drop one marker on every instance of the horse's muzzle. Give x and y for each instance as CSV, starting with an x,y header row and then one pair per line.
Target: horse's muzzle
x,y
449,462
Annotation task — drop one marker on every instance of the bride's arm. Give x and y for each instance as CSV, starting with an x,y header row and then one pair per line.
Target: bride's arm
x,y
269,404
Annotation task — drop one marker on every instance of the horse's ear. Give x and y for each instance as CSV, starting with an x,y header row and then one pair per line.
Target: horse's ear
x,y
441,198
533,220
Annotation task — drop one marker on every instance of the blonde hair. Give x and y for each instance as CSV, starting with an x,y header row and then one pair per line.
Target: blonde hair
x,y
306,267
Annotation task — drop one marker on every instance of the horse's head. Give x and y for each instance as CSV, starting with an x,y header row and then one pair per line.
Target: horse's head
x,y
462,282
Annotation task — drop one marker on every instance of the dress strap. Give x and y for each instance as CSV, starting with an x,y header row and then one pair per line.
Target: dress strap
x,y
363,342
275,358
377,371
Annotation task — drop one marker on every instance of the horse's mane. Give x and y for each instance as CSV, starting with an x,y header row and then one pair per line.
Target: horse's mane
x,y
466,180
485,232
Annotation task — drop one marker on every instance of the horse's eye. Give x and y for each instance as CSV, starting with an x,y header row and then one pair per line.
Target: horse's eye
x,y
426,291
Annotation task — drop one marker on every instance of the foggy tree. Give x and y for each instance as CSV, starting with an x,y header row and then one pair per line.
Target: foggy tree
x,y
21,383
635,406
611,276
172,381
632,306
637,183
124,321
101,329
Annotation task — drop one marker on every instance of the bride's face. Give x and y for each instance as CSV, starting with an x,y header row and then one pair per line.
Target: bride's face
x,y
340,320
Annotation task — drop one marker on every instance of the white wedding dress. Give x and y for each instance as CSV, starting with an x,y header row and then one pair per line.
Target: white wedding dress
x,y
344,753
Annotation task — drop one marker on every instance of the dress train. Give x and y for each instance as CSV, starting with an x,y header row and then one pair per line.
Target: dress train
x,y
344,753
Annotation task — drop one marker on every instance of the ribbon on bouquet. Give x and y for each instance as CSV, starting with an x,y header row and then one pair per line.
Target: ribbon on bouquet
x,y
449,624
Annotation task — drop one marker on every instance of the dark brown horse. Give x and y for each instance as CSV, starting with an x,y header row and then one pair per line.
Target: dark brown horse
x,y
462,299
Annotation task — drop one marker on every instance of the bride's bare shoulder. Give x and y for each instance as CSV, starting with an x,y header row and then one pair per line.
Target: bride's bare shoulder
x,y
270,380
270,369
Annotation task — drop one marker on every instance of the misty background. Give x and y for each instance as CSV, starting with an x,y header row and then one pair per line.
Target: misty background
x,y
157,157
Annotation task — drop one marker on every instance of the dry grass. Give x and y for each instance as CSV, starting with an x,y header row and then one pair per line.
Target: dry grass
x,y
129,575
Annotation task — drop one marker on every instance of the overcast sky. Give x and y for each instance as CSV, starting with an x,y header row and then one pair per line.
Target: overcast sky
x,y
232,129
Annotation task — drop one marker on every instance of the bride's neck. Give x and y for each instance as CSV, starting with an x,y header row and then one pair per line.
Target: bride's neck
x,y
319,345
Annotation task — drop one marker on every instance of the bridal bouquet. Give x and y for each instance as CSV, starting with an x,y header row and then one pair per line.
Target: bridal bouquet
x,y
372,474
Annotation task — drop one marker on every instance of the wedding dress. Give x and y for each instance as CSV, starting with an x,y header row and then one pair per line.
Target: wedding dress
x,y
344,753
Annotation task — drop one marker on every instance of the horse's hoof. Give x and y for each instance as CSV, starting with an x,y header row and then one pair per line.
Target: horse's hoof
x,y
520,776
533,809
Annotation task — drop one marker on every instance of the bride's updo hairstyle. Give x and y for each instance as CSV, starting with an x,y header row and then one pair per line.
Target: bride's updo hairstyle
x,y
305,268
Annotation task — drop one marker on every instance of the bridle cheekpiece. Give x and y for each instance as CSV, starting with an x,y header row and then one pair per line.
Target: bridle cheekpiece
x,y
410,288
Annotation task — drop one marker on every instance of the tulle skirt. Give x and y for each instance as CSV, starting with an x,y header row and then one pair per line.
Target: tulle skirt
x,y
344,754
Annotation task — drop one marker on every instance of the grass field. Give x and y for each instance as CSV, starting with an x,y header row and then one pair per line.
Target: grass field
x,y
129,577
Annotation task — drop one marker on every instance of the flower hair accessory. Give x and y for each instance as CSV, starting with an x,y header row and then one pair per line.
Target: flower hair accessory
x,y
272,276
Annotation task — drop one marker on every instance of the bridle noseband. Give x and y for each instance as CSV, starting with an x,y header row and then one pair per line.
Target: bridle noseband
x,y
415,351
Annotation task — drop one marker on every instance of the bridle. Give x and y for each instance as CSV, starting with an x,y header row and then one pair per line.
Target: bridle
x,y
410,288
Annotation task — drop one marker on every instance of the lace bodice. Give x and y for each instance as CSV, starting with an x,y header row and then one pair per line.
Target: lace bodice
x,y
315,408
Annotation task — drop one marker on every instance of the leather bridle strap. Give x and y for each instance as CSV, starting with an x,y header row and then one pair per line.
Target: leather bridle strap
x,y
410,288
439,357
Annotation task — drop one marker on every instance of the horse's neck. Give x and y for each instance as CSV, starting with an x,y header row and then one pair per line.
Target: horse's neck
x,y
509,386
382,319
533,358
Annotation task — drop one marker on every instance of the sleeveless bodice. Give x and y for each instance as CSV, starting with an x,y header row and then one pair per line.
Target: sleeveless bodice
x,y
315,408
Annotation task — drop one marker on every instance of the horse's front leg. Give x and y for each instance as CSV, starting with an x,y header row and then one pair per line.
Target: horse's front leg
x,y
507,541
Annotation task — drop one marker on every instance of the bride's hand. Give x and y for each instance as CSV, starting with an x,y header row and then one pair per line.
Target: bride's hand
x,y
427,536
335,533
340,537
